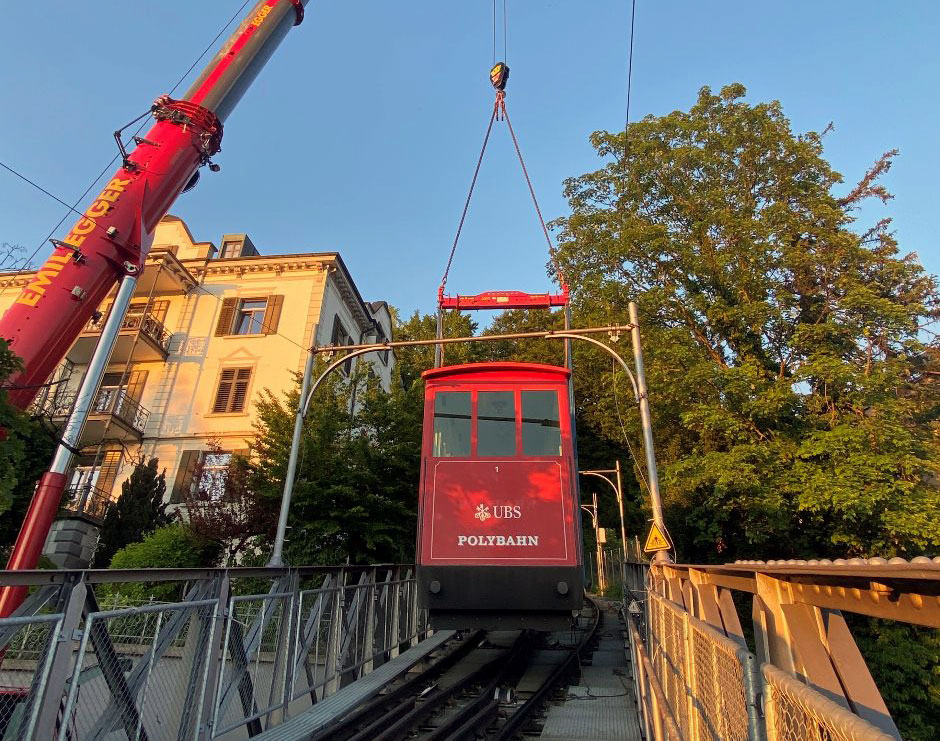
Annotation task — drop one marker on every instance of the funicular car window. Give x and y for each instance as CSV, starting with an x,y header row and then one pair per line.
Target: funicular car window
x,y
541,431
451,424
496,423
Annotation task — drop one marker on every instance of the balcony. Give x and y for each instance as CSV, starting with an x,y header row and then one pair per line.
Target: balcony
x,y
142,339
88,502
114,415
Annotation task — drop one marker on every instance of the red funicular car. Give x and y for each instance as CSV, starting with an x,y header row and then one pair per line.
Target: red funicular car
x,y
499,540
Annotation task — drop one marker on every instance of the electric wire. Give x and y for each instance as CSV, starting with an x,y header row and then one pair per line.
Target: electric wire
x,y
494,33
505,32
197,287
629,70
24,266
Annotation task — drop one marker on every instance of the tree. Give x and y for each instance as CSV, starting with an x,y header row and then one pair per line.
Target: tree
x,y
784,352
794,397
140,510
355,495
10,255
25,451
233,517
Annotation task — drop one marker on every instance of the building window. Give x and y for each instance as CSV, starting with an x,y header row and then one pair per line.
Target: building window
x,y
213,474
231,248
249,316
202,475
341,337
231,395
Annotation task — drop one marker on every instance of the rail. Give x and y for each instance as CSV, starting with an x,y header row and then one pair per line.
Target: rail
x,y
797,675
148,325
194,653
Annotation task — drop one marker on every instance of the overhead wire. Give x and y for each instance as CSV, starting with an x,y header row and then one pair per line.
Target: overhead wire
x,y
25,264
494,33
197,287
505,32
499,110
626,151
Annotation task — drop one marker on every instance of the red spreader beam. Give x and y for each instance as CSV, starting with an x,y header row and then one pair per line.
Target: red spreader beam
x,y
502,300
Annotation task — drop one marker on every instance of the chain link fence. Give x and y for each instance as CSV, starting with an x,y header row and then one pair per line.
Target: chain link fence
x,y
25,667
694,682
226,654
794,711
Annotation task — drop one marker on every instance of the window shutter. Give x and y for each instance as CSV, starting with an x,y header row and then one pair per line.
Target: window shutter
x,y
232,392
135,384
226,317
158,310
272,314
185,474
110,464
223,393
240,389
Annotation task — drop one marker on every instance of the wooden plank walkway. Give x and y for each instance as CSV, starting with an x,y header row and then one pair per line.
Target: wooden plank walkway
x,y
602,705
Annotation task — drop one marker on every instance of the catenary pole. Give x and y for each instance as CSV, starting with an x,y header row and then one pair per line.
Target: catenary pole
x,y
277,554
646,421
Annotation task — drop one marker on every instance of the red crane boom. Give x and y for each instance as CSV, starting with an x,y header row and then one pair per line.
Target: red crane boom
x,y
113,236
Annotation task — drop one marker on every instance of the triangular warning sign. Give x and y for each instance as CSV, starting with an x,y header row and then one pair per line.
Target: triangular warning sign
x,y
656,541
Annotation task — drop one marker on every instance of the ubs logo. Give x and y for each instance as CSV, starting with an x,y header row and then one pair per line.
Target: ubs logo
x,y
482,513
498,512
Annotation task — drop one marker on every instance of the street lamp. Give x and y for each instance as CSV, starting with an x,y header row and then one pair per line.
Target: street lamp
x,y
597,540
618,490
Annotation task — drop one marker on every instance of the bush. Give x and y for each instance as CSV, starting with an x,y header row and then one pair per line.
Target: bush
x,y
171,546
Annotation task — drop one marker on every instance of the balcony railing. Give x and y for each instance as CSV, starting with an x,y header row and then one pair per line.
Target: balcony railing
x,y
113,401
87,500
149,326
120,404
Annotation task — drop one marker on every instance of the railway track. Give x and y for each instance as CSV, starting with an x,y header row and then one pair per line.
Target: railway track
x,y
492,685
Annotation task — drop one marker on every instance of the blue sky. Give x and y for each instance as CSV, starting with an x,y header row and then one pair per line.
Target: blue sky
x,y
361,134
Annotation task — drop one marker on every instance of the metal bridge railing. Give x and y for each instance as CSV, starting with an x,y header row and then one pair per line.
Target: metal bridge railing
x,y
708,679
697,679
794,710
198,653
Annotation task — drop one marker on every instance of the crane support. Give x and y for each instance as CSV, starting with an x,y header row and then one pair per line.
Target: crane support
x,y
117,227
111,240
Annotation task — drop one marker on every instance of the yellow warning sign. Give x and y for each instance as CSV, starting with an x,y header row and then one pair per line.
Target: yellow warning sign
x,y
656,541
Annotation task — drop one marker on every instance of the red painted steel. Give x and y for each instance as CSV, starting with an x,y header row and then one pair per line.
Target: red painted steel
x,y
117,228
502,300
32,536
499,511
115,232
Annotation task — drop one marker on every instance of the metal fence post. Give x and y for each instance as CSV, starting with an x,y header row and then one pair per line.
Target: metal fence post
x,y
334,642
215,659
368,638
74,592
752,689
394,598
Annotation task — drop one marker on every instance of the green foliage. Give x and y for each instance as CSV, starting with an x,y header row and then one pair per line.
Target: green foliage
x,y
906,661
790,387
25,450
355,497
169,546
794,401
141,509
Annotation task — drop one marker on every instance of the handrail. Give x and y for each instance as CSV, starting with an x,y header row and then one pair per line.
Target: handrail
x,y
147,324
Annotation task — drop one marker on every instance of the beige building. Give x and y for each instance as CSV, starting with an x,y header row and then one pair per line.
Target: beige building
x,y
209,328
